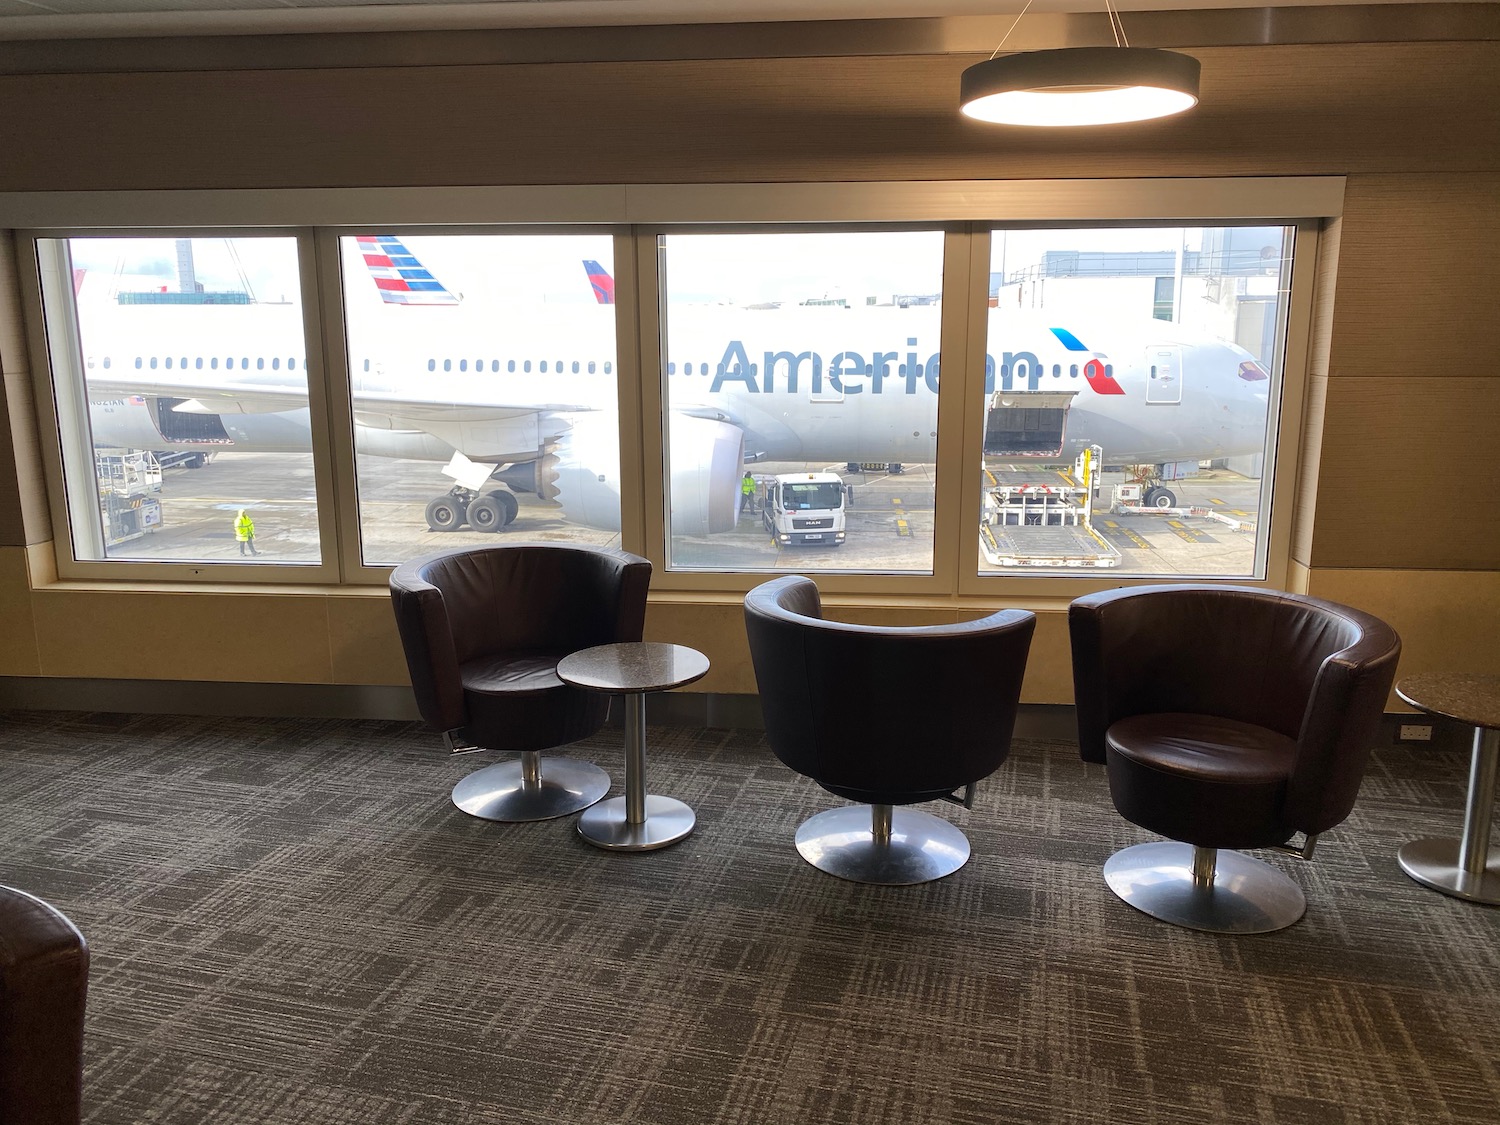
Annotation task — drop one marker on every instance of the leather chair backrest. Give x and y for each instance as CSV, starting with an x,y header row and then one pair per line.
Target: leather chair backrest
x,y
879,714
1312,670
44,969
473,602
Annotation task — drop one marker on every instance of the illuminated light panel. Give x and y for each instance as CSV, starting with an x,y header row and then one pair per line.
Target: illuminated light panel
x,y
1080,86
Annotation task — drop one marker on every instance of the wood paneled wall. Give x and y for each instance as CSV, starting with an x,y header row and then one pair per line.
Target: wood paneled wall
x,y
1285,110
1404,400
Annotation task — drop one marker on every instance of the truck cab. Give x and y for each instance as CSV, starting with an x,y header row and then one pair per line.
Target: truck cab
x,y
805,508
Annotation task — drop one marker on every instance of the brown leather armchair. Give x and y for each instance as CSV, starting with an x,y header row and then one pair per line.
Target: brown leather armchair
x,y
483,629
885,716
1227,717
44,976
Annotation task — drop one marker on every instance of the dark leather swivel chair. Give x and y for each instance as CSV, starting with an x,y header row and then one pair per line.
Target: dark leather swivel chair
x,y
885,716
1227,717
44,976
483,629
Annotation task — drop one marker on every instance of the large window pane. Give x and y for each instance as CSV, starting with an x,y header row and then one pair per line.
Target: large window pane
x,y
1129,382
482,372
808,361
181,382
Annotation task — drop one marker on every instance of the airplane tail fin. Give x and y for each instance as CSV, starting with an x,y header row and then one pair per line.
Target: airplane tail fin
x,y
399,275
604,285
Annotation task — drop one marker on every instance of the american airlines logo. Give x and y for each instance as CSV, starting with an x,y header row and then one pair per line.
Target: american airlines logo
x,y
882,372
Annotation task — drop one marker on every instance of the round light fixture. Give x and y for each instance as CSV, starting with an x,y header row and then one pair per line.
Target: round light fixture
x,y
1080,86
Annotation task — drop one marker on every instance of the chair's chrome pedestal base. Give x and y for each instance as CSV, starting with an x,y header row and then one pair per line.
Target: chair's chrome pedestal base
x,y
519,791
879,844
1437,864
1224,893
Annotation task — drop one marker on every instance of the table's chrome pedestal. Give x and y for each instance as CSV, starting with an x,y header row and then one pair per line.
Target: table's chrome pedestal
x,y
638,821
1465,868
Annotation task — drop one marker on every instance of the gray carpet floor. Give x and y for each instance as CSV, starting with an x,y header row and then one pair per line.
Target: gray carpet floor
x,y
290,923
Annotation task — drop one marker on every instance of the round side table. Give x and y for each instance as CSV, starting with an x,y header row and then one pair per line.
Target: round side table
x,y
1464,868
638,821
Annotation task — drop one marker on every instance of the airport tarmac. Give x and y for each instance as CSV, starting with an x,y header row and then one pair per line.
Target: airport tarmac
x,y
889,521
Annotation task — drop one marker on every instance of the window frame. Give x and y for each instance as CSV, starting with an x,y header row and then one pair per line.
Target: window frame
x,y
46,324
636,215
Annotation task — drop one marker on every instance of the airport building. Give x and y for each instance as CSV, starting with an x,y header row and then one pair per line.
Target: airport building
x,y
280,263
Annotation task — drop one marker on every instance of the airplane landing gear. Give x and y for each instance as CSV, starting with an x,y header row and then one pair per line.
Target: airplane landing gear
x,y
447,513
493,511
1159,497
489,513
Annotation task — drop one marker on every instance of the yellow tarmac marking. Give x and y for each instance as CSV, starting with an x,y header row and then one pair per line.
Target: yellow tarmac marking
x,y
1191,535
1128,534
1214,500
902,530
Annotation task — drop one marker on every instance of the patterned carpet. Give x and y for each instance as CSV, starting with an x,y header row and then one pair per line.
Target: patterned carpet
x,y
291,925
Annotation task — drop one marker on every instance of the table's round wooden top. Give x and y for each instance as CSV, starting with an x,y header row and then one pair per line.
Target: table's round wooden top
x,y
633,666
1471,699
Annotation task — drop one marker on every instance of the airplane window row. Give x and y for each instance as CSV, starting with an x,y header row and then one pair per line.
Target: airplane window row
x,y
557,367
212,364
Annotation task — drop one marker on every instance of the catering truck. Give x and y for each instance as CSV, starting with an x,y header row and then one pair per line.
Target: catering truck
x,y
805,508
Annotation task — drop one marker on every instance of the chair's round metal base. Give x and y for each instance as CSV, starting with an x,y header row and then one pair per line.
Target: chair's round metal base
x,y
498,793
667,821
922,847
1434,863
1246,896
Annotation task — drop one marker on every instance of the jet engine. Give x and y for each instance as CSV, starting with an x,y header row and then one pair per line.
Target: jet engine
x,y
581,471
708,460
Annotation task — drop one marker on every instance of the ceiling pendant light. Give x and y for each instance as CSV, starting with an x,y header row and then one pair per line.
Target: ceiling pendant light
x,y
1080,85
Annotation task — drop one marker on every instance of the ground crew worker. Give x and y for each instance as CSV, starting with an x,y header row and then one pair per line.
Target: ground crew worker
x,y
244,531
747,490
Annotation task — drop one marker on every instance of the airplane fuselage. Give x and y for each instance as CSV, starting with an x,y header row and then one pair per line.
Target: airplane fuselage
x,y
829,385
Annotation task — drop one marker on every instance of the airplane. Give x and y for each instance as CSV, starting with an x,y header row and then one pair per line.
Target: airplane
x,y
522,399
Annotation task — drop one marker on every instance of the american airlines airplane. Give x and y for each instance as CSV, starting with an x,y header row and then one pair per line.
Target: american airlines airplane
x,y
526,396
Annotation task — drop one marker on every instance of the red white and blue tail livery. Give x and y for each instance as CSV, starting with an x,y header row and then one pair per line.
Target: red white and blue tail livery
x,y
399,276
604,285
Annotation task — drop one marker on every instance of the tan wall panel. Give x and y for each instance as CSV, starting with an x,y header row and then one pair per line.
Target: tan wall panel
x,y
23,494
1304,520
194,635
1449,622
717,630
1049,667
1265,110
1320,340
1402,482
1419,276
18,652
362,640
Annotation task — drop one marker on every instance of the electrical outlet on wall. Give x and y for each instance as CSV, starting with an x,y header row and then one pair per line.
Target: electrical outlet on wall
x,y
1415,732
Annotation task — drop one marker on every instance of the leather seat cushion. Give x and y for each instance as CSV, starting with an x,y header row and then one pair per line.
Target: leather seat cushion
x,y
1201,779
512,672
512,700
